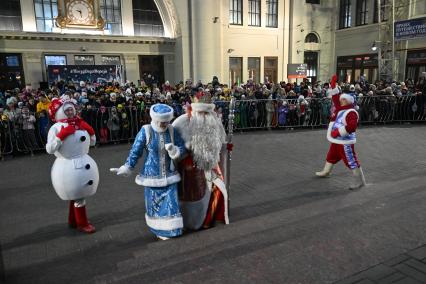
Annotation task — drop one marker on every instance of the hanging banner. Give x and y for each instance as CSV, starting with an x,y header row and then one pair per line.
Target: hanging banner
x,y
295,71
87,73
410,29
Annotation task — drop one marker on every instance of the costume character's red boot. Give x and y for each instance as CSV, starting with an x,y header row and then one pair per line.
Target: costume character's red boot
x,y
83,224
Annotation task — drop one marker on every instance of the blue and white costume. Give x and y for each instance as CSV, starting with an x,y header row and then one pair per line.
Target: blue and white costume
x,y
158,175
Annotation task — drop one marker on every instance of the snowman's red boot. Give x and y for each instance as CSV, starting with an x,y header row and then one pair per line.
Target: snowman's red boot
x,y
71,215
83,224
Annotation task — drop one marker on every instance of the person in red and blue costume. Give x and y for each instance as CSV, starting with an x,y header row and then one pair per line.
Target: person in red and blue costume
x,y
342,135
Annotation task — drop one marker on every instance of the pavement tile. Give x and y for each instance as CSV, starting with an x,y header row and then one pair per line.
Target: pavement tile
x,y
407,281
392,278
397,260
378,272
411,272
352,279
365,281
419,253
414,263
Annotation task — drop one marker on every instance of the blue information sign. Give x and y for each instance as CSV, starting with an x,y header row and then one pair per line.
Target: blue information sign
x,y
410,29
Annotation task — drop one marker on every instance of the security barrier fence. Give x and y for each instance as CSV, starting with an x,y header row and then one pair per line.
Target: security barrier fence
x,y
22,133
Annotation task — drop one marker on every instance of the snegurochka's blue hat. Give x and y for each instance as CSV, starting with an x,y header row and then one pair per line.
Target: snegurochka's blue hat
x,y
161,113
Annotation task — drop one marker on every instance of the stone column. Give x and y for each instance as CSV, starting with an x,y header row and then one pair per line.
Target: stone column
x,y
132,67
32,63
127,18
206,40
28,16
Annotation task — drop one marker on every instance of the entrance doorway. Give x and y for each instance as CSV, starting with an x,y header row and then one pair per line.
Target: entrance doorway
x,y
11,71
152,65
271,69
311,60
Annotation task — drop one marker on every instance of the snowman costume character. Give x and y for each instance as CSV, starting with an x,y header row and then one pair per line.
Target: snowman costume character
x,y
158,176
74,173
342,135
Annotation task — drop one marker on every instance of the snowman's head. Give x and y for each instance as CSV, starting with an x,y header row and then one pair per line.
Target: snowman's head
x,y
61,109
66,111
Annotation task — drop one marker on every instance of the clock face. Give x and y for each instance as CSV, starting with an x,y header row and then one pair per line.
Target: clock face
x,y
80,12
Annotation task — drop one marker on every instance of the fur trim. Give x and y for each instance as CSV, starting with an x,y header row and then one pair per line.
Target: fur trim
x,y
342,131
334,91
155,128
202,107
164,223
174,153
157,182
161,117
181,124
337,141
221,185
347,97
347,112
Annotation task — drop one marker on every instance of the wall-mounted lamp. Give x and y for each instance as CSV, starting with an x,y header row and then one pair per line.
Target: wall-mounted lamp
x,y
374,46
298,51
83,48
215,19
230,50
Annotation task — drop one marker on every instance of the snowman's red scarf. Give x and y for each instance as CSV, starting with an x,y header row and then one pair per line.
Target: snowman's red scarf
x,y
79,123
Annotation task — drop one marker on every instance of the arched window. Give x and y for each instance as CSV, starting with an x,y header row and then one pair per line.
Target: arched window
x,y
146,19
311,37
10,15
111,12
45,13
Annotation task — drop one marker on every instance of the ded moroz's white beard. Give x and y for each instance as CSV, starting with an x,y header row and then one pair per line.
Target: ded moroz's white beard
x,y
207,135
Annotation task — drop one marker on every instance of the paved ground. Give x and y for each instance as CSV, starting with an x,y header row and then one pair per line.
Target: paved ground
x,y
287,226
406,268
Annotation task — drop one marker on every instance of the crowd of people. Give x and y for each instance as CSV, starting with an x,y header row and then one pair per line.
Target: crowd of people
x,y
117,111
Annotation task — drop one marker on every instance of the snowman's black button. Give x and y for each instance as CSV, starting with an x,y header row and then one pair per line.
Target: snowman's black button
x,y
87,166
83,138
90,182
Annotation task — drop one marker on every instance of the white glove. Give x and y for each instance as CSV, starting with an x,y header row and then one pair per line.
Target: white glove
x,y
172,150
124,171
188,145
169,147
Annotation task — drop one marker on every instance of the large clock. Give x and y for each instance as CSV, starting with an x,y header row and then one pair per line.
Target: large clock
x,y
79,14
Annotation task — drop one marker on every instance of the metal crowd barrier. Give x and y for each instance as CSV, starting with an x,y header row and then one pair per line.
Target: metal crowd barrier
x,y
22,133
113,125
315,112
123,125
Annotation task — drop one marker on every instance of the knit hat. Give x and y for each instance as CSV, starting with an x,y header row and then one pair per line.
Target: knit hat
x,y
11,100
